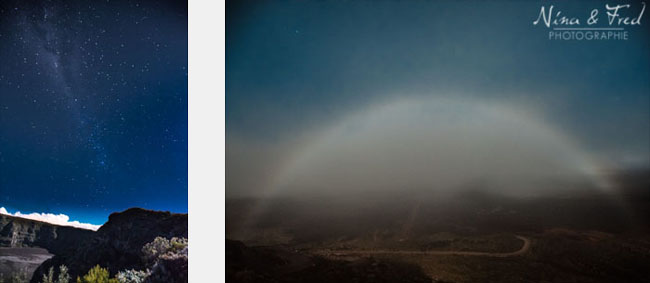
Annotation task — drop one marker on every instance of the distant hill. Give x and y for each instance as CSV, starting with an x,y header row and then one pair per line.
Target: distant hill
x,y
18,232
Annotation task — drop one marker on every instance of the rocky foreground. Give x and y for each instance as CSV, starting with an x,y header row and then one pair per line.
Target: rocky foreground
x,y
117,245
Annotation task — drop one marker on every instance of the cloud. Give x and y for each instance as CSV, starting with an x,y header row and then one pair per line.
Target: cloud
x,y
56,219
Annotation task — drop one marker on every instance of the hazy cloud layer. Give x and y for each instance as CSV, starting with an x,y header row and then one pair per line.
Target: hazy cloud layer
x,y
56,219
495,100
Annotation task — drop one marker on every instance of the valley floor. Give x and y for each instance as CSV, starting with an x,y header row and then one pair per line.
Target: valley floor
x,y
21,260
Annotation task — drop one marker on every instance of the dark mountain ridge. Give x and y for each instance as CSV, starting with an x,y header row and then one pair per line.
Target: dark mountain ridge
x,y
16,232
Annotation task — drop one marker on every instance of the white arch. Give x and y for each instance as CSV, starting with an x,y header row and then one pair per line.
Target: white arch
x,y
436,144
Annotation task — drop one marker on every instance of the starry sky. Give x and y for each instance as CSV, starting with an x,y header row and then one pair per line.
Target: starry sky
x,y
295,68
93,107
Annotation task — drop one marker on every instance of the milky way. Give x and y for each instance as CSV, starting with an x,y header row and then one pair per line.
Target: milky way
x,y
93,106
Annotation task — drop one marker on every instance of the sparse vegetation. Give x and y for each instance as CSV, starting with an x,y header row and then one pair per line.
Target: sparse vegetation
x,y
49,277
97,274
63,277
155,249
161,246
167,259
16,277
132,276
20,277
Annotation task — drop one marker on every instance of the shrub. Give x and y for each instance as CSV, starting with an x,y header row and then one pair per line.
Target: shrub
x,y
49,277
64,277
167,259
19,277
160,246
178,244
132,276
97,274
151,251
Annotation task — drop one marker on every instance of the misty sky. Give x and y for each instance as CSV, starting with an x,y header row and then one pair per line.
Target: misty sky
x,y
296,69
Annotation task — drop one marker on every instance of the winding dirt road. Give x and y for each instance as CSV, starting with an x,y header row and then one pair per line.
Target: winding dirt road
x,y
524,248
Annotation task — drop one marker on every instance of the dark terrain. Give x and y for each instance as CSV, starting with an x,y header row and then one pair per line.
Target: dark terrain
x,y
579,235
116,245
25,243
281,264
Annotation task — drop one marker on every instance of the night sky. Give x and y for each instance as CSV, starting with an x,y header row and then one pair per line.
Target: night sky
x,y
297,68
93,107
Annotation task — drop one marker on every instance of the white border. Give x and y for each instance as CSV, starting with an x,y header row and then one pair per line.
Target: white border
x,y
206,140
